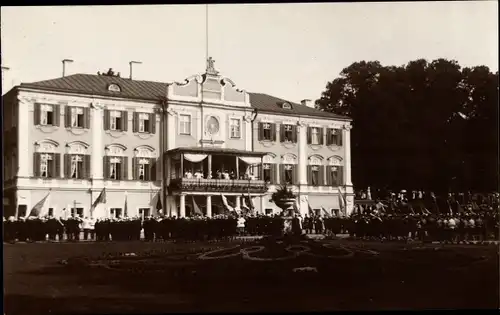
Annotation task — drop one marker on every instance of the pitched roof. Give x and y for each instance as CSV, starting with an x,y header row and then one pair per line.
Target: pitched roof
x,y
154,91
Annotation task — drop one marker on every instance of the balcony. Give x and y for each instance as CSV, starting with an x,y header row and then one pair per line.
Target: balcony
x,y
218,185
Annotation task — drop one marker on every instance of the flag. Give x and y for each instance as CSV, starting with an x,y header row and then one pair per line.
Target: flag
x,y
251,205
296,206
244,204
196,209
100,199
158,203
449,207
342,201
326,212
309,207
37,209
226,203
125,207
459,207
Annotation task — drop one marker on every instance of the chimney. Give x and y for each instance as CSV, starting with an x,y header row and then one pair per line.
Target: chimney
x,y
307,103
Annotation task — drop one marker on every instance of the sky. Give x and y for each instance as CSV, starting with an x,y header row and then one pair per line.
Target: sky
x,y
287,50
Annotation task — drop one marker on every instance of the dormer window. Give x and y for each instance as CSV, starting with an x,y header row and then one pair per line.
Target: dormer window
x,y
286,105
114,88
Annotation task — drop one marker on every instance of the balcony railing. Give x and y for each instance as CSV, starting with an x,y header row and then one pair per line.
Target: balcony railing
x,y
219,185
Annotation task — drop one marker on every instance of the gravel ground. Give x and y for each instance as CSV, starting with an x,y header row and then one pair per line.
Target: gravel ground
x,y
140,277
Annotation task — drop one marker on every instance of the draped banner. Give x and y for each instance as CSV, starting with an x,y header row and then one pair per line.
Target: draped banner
x,y
226,204
195,158
250,160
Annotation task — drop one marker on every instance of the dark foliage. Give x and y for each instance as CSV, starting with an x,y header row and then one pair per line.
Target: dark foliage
x,y
424,125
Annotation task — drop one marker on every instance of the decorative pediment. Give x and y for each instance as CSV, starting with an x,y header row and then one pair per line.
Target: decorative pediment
x,y
315,160
46,145
116,149
269,158
144,151
335,160
289,158
77,147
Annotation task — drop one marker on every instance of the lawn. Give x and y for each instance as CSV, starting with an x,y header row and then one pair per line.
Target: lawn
x,y
139,277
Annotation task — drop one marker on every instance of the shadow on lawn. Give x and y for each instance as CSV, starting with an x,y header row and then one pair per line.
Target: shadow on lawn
x,y
178,281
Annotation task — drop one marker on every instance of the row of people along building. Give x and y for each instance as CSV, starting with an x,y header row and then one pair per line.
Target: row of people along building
x,y
79,134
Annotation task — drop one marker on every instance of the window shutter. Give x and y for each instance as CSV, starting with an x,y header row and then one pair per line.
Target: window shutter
x,y
329,176
273,132
273,174
295,177
86,113
37,114
105,169
309,135
261,131
340,177
124,166
309,174
294,134
36,164
282,133
282,174
152,169
322,175
135,122
106,120
67,165
152,121
67,116
57,165
339,141
86,166
124,120
135,169
320,134
57,118
329,136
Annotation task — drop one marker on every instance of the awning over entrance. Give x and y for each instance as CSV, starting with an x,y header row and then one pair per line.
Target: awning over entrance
x,y
211,150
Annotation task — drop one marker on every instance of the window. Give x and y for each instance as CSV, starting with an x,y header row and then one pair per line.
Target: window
x,y
46,115
46,165
77,117
51,212
185,124
315,175
266,131
288,133
288,172
314,135
115,169
116,212
335,176
77,166
286,106
269,211
235,128
77,212
144,169
334,137
144,212
144,123
115,120
267,172
114,88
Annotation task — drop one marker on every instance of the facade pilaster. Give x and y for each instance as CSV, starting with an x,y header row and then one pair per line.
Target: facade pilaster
x,y
302,129
349,192
23,140
248,133
97,145
182,210
209,206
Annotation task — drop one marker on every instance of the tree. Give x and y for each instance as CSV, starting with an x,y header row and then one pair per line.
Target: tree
x,y
423,125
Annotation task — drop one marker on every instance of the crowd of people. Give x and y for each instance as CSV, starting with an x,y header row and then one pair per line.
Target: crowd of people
x,y
396,218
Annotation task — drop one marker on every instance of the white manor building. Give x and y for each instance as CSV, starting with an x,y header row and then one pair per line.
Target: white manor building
x,y
71,137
